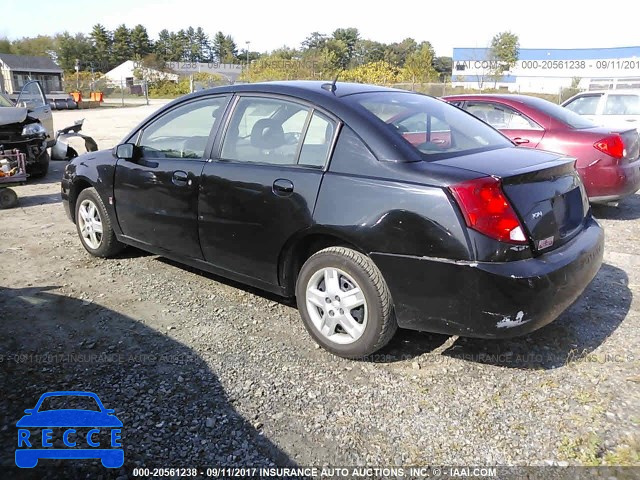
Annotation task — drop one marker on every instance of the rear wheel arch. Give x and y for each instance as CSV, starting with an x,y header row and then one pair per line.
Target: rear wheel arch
x,y
298,249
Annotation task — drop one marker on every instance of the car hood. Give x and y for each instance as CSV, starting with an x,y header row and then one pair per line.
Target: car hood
x,y
69,418
9,115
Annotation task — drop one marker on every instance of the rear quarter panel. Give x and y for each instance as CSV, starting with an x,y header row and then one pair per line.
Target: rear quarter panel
x,y
389,216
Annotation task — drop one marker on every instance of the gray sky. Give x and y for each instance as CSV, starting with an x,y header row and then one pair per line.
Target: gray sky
x,y
273,23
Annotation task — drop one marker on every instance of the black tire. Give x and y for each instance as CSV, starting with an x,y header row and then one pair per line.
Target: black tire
x,y
108,245
41,166
381,323
8,198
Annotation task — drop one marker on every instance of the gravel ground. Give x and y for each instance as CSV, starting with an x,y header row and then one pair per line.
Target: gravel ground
x,y
204,372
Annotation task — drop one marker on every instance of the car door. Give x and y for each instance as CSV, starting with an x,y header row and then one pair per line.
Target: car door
x,y
156,192
261,188
32,97
514,124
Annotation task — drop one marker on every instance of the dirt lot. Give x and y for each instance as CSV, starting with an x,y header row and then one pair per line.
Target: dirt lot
x,y
205,372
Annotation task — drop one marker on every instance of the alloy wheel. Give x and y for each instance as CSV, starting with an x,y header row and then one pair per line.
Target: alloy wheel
x,y
337,305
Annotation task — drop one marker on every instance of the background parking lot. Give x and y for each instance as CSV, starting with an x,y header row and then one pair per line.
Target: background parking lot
x,y
203,371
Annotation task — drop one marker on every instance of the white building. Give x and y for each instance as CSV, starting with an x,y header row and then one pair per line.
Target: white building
x,y
549,70
125,74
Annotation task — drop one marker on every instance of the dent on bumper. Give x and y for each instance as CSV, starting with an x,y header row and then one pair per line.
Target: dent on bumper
x,y
500,299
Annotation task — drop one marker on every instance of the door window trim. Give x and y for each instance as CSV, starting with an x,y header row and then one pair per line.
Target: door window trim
x,y
216,153
136,136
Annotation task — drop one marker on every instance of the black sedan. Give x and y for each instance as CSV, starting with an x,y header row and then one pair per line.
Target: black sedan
x,y
310,189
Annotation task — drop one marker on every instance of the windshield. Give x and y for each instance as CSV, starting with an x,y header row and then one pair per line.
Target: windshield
x,y
434,128
4,101
561,114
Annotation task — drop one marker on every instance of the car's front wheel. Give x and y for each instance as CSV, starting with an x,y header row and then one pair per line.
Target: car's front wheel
x,y
345,303
94,225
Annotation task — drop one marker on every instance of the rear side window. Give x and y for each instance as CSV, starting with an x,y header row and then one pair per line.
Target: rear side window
x,y
622,105
586,105
317,141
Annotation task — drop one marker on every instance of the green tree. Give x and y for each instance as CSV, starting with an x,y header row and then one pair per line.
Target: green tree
x,y
141,45
101,40
443,66
504,51
203,49
177,46
69,47
33,46
315,41
5,45
396,53
121,49
347,38
418,66
368,51
162,46
224,48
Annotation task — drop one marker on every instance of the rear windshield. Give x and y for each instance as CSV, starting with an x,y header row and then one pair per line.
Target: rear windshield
x,y
434,128
561,114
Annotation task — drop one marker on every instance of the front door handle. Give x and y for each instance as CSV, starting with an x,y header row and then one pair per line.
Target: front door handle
x,y
520,140
180,178
283,187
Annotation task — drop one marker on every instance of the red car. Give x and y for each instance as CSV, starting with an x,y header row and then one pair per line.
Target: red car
x,y
607,159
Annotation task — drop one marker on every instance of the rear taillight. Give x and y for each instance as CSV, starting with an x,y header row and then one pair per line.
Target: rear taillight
x,y
611,145
487,210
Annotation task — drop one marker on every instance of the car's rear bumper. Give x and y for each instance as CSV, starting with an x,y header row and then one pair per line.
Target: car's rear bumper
x,y
491,299
611,182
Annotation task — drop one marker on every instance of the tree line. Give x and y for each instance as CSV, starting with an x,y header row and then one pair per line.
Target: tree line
x,y
103,49
319,55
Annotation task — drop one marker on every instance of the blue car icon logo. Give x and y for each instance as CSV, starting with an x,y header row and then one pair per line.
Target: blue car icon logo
x,y
86,431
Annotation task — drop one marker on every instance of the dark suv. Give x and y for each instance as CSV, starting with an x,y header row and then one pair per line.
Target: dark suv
x,y
321,192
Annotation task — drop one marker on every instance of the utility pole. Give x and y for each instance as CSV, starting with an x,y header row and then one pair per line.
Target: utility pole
x,y
248,42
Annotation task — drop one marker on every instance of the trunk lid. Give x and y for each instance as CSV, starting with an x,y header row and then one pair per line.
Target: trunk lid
x,y
543,188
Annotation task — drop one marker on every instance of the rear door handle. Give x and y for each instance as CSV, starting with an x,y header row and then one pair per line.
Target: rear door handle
x,y
520,141
283,187
180,178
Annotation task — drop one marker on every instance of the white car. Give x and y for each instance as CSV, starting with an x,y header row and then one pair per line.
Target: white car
x,y
609,108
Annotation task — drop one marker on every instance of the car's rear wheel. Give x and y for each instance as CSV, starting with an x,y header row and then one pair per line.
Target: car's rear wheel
x,y
345,303
94,225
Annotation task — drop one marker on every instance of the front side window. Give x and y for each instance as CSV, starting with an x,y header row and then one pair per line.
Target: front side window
x,y
265,130
182,132
586,105
501,116
434,128
622,105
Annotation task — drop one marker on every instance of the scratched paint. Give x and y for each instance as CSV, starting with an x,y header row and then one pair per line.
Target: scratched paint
x,y
507,322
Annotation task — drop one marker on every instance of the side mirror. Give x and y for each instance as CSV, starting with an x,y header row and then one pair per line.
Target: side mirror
x,y
125,151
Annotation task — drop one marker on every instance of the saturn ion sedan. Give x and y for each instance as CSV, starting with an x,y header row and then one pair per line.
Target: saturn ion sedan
x,y
308,190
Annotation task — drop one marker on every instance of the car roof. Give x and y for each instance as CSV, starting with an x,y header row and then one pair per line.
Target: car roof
x,y
301,88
